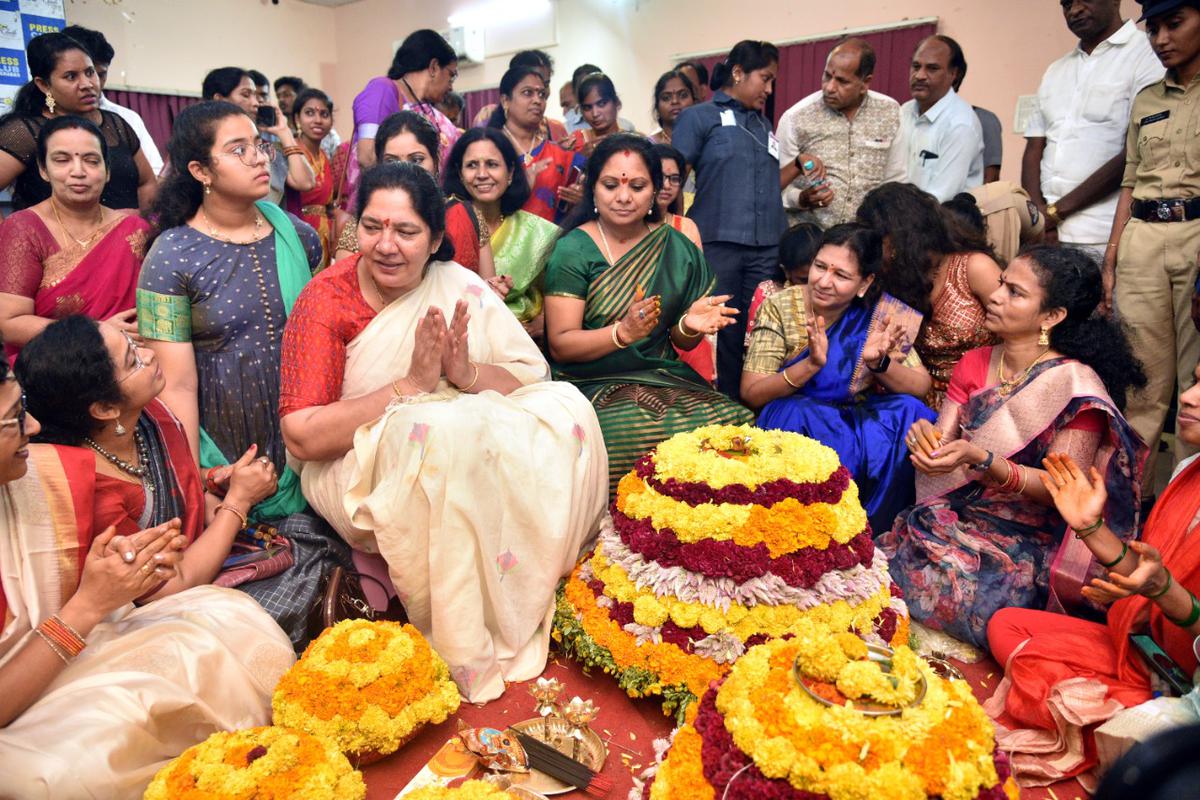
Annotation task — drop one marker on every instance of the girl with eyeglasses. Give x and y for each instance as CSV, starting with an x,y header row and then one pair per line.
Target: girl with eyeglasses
x,y
215,292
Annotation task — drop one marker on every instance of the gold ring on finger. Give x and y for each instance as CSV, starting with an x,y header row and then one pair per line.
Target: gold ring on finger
x,y
148,567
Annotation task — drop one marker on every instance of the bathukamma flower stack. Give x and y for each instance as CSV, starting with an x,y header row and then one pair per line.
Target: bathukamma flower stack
x,y
723,538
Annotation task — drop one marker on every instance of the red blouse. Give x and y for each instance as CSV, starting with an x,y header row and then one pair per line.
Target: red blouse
x,y
329,313
462,233
971,374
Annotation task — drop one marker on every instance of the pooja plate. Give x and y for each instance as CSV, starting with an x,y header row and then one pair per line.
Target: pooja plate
x,y
865,707
592,753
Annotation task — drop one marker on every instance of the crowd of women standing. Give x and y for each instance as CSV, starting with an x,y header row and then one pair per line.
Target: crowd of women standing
x,y
440,329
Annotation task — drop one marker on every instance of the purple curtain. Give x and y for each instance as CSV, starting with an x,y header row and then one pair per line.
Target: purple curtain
x,y
476,100
158,111
801,65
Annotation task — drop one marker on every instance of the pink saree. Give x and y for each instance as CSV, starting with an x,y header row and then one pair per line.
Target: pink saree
x,y
97,279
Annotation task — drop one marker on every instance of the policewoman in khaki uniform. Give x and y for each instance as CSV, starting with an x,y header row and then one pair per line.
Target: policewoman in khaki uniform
x,y
1155,243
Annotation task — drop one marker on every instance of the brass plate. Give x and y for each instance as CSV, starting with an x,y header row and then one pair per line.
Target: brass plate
x,y
592,753
866,708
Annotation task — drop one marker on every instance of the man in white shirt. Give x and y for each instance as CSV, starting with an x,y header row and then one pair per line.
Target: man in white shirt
x,y
1075,141
942,132
102,54
854,131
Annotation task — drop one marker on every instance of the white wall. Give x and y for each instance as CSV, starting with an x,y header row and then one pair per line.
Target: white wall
x,y
170,44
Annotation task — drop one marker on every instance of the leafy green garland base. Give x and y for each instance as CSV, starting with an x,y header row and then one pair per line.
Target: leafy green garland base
x,y
636,681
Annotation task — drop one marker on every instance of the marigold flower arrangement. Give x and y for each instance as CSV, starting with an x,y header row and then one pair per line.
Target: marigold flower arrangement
x,y
720,539
259,764
470,790
760,734
367,687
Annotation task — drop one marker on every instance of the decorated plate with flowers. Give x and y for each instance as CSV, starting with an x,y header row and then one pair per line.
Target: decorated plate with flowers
x,y
874,681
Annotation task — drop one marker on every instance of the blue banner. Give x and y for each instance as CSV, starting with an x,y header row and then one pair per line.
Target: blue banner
x,y
36,26
12,67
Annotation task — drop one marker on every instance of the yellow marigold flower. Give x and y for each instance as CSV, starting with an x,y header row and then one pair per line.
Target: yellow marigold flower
x,y
853,646
647,610
471,790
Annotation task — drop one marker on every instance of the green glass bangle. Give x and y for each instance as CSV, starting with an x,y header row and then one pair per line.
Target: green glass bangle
x,y
1118,559
1191,618
1165,589
1083,533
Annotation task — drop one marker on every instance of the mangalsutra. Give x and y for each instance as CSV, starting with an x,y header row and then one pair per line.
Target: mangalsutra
x,y
525,157
1007,385
80,242
604,240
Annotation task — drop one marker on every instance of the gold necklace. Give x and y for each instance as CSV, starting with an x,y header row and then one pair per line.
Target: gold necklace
x,y
604,240
1006,385
214,233
525,157
61,224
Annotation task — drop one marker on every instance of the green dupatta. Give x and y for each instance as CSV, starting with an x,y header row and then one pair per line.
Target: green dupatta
x,y
521,246
664,263
291,264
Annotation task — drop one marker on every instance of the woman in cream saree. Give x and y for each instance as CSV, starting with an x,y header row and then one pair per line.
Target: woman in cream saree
x,y
152,680
479,503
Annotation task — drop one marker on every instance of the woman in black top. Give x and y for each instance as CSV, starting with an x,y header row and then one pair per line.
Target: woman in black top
x,y
64,82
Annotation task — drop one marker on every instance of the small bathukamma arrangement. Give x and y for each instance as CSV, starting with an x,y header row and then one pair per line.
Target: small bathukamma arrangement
x,y
824,715
723,538
367,688
259,764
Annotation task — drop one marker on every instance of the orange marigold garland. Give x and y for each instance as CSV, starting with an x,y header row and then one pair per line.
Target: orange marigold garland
x,y
259,764
671,627
759,733
367,687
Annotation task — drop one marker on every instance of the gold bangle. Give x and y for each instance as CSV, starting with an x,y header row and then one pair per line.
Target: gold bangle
x,y
241,517
617,339
684,333
1024,480
58,651
788,380
473,380
396,388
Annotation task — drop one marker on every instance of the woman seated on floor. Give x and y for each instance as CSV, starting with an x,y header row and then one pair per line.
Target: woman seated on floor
x,y
984,533
833,359
490,233
97,693
404,136
621,289
69,254
421,418
1063,676
124,454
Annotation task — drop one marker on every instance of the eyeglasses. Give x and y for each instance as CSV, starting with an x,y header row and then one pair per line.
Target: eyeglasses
x,y
18,420
673,180
138,364
248,153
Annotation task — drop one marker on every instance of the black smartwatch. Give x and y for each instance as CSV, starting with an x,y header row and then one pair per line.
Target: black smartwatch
x,y
883,365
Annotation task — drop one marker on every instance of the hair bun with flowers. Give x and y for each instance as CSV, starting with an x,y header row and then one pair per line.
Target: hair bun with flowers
x,y
760,734
259,762
720,539
367,687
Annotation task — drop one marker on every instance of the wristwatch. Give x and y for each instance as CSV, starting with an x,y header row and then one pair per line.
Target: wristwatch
x,y
984,465
883,364
1052,214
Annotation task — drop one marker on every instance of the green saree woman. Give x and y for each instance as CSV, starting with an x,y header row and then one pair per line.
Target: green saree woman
x,y
643,393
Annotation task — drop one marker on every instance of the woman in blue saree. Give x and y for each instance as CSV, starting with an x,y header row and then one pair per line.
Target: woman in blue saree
x,y
833,360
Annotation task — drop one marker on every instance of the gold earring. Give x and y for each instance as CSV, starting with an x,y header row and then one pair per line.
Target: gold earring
x,y
50,103
208,188
1044,338
120,429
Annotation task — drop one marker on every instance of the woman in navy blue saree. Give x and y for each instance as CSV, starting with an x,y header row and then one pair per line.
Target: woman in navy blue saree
x,y
833,360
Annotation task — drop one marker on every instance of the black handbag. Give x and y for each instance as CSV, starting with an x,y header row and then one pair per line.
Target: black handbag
x,y
342,597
